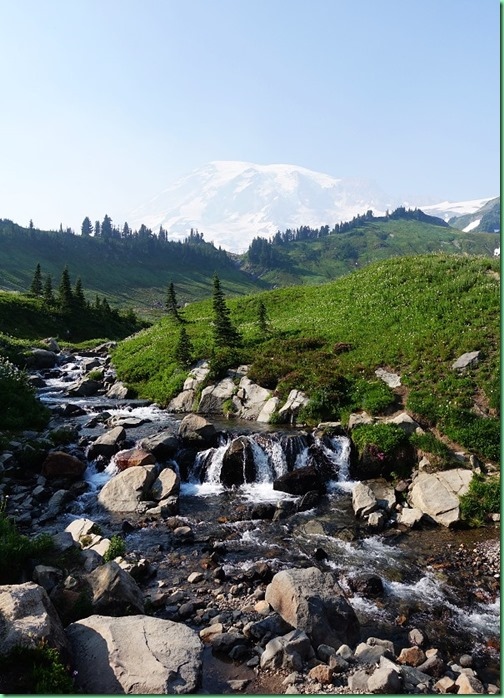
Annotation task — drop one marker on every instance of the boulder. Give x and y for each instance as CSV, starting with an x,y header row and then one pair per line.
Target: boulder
x,y
290,410
84,388
28,617
280,651
358,418
82,528
196,376
384,680
301,481
467,359
41,358
437,494
163,445
368,585
133,457
127,421
409,516
268,410
196,430
115,592
404,421
183,402
250,399
135,655
393,380
52,345
125,490
119,391
60,464
363,500
167,484
238,465
313,601
107,444
213,397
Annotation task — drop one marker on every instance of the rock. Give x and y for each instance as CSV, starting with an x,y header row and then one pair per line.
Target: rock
x,y
63,541
226,642
27,617
371,651
126,490
238,464
167,484
358,418
321,673
363,500
135,655
272,625
197,375
446,685
126,421
55,505
300,481
467,359
413,656
312,601
437,494
384,493
404,421
47,577
107,444
417,637
468,684
52,345
119,391
163,445
466,660
213,397
262,607
115,592
206,634
384,680
368,585
41,358
80,528
376,520
280,651
433,666
84,388
133,457
409,516
345,651
393,380
60,464
290,410
250,399
195,577
358,682
194,429
268,410
183,402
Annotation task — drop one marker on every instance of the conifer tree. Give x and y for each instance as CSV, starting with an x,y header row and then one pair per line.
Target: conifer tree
x,y
184,349
48,293
65,295
171,303
87,227
262,319
78,295
225,334
36,284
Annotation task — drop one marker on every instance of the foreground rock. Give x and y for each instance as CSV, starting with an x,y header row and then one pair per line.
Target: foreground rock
x,y
312,601
437,494
135,655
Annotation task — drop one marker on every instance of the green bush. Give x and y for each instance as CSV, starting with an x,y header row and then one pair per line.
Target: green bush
x,y
482,499
430,444
19,407
16,549
479,434
373,396
95,375
36,670
222,360
117,548
385,437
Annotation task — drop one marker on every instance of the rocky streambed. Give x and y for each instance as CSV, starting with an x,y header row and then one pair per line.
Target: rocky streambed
x,y
318,589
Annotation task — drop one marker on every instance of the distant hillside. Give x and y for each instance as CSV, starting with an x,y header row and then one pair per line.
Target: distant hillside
x,y
485,220
308,256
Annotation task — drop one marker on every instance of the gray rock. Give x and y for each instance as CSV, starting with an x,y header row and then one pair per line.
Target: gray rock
x,y
437,494
467,359
197,430
409,516
41,358
384,680
163,445
135,655
55,505
126,490
213,397
313,601
166,484
363,500
107,444
393,380
119,391
290,410
183,402
250,399
404,421
268,410
115,592
47,576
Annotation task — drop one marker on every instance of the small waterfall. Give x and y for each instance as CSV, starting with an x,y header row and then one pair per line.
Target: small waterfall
x,y
271,447
264,471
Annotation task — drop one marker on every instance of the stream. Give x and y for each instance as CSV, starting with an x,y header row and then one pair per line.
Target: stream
x,y
426,581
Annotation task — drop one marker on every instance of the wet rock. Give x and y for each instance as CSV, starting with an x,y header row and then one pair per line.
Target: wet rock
x,y
60,464
301,481
312,601
196,430
163,445
115,592
369,585
133,457
135,655
238,463
124,491
107,444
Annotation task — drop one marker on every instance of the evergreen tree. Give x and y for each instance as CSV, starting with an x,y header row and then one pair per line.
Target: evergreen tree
x,y
79,299
225,334
65,295
48,293
171,303
86,227
97,229
36,284
262,319
30,224
106,227
184,349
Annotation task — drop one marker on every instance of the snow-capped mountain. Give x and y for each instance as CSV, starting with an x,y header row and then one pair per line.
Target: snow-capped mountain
x,y
232,202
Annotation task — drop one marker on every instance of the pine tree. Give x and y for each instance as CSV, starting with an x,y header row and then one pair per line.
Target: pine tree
x,y
48,293
65,295
36,284
171,303
86,227
106,227
262,319
225,334
184,349
79,299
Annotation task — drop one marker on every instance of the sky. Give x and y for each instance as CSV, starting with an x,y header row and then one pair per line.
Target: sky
x,y
104,103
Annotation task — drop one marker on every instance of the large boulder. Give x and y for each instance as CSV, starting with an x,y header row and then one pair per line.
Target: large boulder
x,y
119,391
195,430
85,388
301,481
437,494
290,410
250,399
61,464
107,444
167,484
163,445
213,397
115,592
183,402
28,617
238,464
135,655
313,601
41,358
125,490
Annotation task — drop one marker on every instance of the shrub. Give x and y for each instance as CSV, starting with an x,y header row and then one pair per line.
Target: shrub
x,y
430,444
16,549
19,407
482,499
95,375
222,360
479,434
373,396
117,548
36,670
384,437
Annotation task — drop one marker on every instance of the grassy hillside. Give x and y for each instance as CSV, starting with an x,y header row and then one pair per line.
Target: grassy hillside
x,y
413,315
327,258
128,272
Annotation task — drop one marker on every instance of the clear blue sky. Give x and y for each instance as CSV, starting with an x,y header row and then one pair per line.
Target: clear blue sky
x,y
103,103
